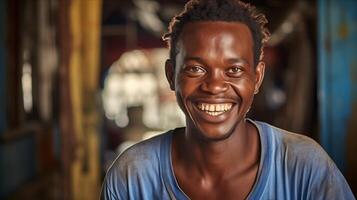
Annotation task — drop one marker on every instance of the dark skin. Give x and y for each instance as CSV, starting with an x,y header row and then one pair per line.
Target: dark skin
x,y
217,155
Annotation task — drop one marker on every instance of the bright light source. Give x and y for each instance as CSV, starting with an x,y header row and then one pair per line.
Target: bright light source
x,y
26,81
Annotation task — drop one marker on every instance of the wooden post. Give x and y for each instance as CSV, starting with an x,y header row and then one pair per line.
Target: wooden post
x,y
85,21
66,113
80,23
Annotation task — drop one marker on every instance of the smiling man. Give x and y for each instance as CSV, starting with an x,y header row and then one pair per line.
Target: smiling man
x,y
215,69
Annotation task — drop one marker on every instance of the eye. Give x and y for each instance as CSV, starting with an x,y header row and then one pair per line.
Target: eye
x,y
194,70
234,70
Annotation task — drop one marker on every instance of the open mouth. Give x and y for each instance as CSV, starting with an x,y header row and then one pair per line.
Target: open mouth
x,y
214,109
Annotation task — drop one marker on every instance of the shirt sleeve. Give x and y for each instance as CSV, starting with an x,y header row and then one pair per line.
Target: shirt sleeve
x,y
107,194
113,187
331,185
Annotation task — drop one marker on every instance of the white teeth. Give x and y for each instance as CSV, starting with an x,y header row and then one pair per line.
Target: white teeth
x,y
206,107
214,109
214,113
211,107
218,108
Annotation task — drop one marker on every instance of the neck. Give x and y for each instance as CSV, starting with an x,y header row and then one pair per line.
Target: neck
x,y
223,158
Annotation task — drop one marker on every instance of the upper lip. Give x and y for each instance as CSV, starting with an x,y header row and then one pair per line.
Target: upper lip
x,y
214,100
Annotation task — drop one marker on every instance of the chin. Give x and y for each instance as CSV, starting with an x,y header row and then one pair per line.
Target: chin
x,y
214,133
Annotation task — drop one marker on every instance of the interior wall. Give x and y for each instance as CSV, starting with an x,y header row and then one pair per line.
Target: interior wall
x,y
14,153
338,83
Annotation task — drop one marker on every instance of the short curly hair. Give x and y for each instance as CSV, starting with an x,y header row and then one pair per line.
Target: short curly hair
x,y
220,10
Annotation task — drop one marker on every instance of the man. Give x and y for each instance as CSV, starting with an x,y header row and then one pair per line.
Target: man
x,y
215,69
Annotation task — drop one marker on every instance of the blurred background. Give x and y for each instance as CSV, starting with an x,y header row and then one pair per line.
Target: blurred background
x,y
82,80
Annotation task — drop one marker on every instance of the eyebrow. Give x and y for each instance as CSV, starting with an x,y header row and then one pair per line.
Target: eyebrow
x,y
194,58
237,60
229,60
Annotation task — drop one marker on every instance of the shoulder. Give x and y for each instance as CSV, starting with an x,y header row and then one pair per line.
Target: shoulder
x,y
296,153
137,163
303,160
141,154
292,144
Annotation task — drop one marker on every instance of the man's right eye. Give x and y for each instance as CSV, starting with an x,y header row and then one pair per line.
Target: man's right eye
x,y
195,70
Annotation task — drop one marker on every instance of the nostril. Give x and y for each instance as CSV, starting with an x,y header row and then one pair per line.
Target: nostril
x,y
214,87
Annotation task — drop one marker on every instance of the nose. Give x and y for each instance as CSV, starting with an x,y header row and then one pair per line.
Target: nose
x,y
214,84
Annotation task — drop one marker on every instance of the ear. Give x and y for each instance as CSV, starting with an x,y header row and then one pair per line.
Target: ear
x,y
259,76
170,73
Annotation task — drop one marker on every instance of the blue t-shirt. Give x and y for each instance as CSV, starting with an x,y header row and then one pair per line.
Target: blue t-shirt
x,y
291,166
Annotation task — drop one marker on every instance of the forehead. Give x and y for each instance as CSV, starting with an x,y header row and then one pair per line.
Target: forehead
x,y
217,27
218,37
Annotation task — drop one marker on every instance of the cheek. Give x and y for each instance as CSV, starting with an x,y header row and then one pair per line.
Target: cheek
x,y
182,91
244,88
185,86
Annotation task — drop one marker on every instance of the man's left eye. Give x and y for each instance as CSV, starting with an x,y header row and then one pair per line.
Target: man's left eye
x,y
234,70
